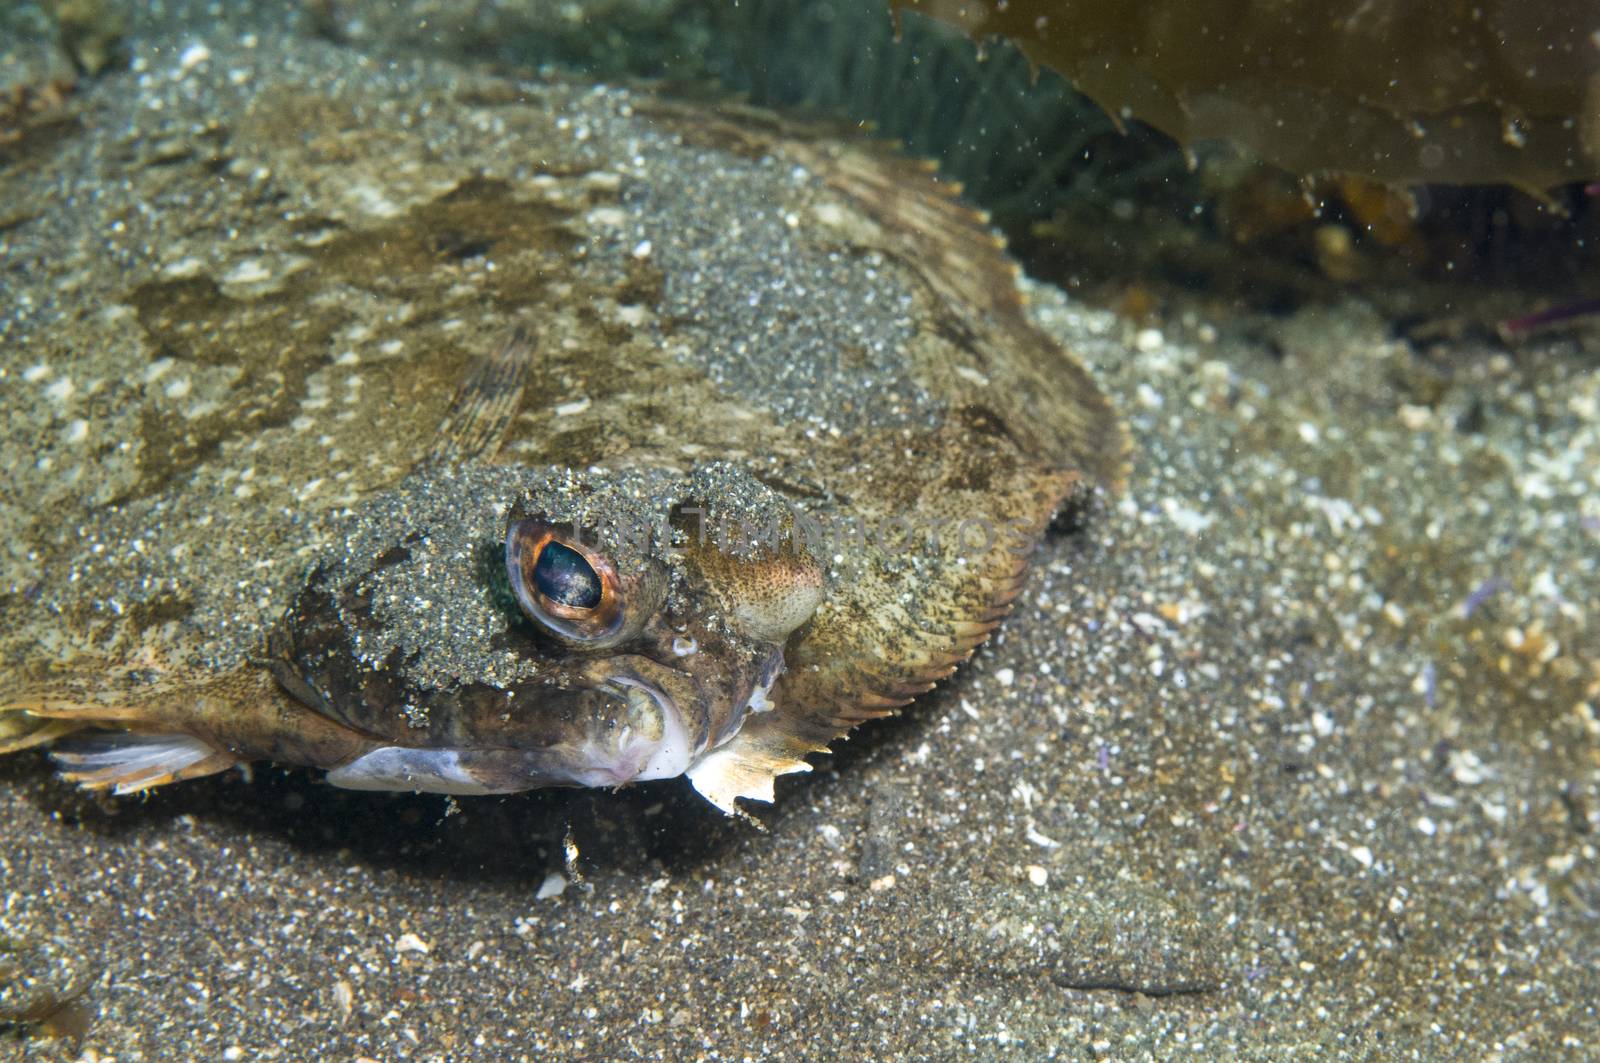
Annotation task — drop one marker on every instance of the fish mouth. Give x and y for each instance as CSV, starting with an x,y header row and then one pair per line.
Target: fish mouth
x,y
647,721
643,735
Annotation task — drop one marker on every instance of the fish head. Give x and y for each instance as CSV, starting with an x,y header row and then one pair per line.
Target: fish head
x,y
502,629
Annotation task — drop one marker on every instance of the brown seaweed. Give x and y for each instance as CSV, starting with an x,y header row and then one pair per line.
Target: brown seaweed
x,y
1398,90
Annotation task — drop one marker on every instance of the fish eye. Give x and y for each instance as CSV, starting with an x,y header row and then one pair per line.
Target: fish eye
x,y
562,575
569,589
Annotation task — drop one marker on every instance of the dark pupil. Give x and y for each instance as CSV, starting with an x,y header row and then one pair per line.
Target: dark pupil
x,y
563,576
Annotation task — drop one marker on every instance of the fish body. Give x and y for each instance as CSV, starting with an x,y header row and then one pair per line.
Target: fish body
x,y
678,441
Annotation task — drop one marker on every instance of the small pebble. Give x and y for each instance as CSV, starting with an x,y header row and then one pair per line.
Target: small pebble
x,y
411,943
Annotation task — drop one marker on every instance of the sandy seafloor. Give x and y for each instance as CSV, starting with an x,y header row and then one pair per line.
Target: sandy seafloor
x,y
1289,749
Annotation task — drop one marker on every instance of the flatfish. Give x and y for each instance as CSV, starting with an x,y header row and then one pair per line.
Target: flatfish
x,y
550,435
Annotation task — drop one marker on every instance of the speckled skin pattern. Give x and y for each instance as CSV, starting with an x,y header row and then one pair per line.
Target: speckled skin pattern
x,y
824,320
1291,753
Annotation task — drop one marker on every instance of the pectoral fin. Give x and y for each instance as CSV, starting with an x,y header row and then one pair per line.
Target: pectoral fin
x,y
116,726
127,763
746,765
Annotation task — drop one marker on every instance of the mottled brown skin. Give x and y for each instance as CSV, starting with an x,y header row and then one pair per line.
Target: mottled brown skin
x,y
1010,427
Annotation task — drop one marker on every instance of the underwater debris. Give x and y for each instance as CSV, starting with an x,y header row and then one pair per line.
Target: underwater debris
x,y
1518,327
1019,141
1400,90
42,989
23,104
601,39
90,32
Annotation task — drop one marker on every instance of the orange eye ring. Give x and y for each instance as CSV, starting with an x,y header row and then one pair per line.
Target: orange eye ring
x,y
561,583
